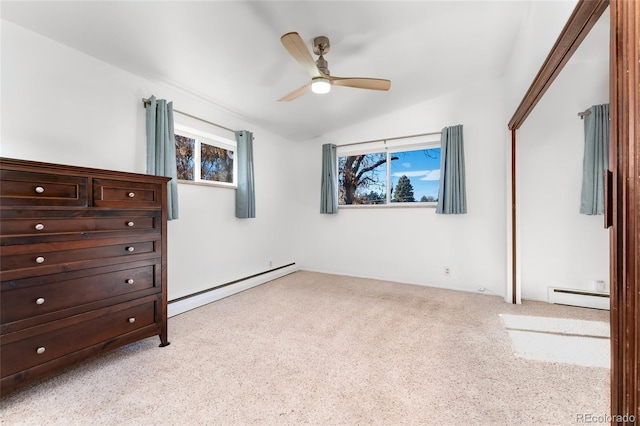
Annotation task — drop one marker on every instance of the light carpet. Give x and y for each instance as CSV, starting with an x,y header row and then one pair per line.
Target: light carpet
x,y
321,349
566,340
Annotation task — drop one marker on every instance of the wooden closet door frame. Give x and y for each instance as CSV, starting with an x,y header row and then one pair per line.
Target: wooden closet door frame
x,y
623,196
624,199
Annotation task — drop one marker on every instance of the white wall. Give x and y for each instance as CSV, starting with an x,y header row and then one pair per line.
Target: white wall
x,y
413,245
538,33
62,106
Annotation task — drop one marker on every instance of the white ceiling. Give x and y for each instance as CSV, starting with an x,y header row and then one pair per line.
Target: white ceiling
x,y
229,53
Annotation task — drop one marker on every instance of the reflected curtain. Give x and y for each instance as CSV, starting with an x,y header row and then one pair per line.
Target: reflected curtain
x,y
329,181
452,195
245,193
596,159
161,149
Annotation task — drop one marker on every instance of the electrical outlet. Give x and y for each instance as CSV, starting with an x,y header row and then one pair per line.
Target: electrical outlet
x,y
447,271
601,286
270,263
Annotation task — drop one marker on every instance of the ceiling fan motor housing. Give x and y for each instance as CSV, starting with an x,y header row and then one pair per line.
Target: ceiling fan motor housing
x,y
323,65
321,45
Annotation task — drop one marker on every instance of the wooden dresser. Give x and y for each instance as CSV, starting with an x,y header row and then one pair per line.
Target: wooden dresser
x,y
82,265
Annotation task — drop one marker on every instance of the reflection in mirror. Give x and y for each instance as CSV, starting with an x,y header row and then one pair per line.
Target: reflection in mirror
x,y
560,247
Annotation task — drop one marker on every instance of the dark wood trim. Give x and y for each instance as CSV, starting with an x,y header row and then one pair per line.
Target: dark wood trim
x,y
62,169
616,220
514,252
624,237
608,198
583,18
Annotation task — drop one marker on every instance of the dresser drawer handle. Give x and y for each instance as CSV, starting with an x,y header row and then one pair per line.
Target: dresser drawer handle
x,y
130,223
40,350
39,227
130,281
40,301
132,320
39,259
131,195
39,189
130,249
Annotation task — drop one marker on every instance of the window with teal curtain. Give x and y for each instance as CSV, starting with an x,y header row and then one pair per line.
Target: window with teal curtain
x,y
161,149
596,159
452,195
245,192
329,180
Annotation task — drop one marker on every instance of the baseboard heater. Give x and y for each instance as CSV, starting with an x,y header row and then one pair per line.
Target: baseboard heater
x,y
585,299
201,298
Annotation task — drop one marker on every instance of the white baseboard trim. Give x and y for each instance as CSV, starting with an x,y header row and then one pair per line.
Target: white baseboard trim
x,y
581,298
200,299
368,277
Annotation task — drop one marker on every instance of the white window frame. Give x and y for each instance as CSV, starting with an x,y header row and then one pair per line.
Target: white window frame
x,y
213,140
388,147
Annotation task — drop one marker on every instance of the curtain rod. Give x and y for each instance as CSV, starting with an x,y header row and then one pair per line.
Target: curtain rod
x,y
583,113
146,102
392,139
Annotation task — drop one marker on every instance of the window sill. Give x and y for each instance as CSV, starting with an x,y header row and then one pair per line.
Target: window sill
x,y
389,206
209,184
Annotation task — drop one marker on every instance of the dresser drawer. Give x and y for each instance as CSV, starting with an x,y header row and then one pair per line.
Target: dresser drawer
x,y
35,256
123,194
41,189
35,300
52,225
36,348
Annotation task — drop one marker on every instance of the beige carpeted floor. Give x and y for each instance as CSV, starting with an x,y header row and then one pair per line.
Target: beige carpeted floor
x,y
322,349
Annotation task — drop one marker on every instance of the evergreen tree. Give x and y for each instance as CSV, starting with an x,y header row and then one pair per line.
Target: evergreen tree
x,y
404,191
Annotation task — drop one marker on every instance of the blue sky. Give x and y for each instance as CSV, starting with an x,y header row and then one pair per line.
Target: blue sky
x,y
422,170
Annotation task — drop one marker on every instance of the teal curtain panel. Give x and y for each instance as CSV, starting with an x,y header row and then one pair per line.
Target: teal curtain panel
x,y
161,149
329,182
452,194
245,193
596,159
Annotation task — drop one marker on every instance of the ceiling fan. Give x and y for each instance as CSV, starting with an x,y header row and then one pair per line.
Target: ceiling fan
x,y
321,80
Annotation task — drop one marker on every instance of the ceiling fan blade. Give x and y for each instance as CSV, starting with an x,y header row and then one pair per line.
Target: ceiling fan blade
x,y
361,83
296,93
298,49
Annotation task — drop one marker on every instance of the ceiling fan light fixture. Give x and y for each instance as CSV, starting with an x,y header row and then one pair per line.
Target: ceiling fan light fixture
x,y
320,85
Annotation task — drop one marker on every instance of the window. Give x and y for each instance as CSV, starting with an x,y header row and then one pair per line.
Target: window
x,y
415,175
389,175
205,158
